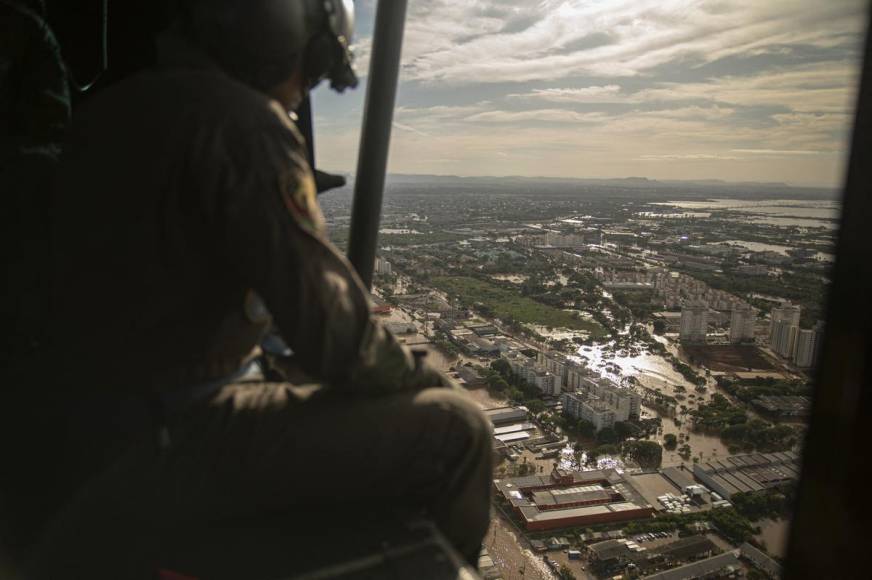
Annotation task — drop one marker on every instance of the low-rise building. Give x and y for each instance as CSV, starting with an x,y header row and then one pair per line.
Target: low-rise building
x,y
572,498
471,376
783,406
760,560
708,568
506,416
686,549
747,473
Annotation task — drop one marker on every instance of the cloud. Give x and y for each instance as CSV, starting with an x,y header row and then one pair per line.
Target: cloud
x,y
410,129
592,94
776,152
687,157
823,87
465,42
362,50
544,115
731,89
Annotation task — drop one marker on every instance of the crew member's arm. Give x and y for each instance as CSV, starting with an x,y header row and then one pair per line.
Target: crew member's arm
x,y
275,240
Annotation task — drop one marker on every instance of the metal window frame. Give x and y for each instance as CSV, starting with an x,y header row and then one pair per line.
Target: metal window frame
x,y
832,513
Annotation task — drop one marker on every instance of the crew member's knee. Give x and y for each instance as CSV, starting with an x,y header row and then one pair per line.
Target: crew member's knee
x,y
465,418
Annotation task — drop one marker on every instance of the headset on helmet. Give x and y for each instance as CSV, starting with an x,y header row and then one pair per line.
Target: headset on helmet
x,y
259,41
340,20
327,27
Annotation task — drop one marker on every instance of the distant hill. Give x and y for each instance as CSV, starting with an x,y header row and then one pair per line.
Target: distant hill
x,y
624,187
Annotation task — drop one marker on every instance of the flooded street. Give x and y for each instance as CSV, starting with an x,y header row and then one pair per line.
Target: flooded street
x,y
511,553
651,370
654,372
774,534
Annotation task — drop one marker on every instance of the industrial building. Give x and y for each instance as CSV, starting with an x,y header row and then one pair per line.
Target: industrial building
x,y
747,473
502,416
572,498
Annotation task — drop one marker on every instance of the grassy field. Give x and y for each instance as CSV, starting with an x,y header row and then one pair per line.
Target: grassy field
x,y
507,304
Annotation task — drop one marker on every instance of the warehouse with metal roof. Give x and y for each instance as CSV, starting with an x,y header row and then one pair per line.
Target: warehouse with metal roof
x,y
747,473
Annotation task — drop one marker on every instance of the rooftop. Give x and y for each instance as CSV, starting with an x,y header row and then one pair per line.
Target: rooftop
x,y
748,473
698,569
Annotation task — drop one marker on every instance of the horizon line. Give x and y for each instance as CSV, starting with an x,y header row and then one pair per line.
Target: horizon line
x,y
834,188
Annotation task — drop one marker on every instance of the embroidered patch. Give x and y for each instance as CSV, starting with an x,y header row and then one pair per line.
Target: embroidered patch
x,y
298,194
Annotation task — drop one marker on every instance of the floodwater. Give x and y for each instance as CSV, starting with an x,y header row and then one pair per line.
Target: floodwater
x,y
774,535
683,215
557,333
756,246
655,372
787,212
703,447
397,231
513,278
651,370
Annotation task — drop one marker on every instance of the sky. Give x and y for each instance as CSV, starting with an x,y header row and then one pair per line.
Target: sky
x,y
739,90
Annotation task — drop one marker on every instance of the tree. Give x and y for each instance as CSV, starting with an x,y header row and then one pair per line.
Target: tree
x,y
607,435
535,406
565,573
497,383
684,451
732,524
586,428
513,394
606,450
670,441
659,326
526,469
625,429
647,454
502,367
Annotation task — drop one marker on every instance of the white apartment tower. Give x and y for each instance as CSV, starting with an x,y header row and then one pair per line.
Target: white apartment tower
x,y
783,329
808,343
694,322
742,322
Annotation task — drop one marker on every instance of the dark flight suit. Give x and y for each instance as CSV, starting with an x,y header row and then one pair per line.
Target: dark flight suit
x,y
34,112
184,199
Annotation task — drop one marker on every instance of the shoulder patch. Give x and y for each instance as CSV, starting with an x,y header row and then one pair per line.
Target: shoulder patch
x,y
298,194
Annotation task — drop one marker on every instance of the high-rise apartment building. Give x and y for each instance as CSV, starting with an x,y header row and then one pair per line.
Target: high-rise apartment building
x,y
783,329
808,343
742,322
694,322
804,352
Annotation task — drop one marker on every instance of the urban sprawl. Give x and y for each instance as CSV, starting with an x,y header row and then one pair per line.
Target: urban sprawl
x,y
642,349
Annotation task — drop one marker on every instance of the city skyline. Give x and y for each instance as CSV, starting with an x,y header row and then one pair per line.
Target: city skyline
x,y
737,91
